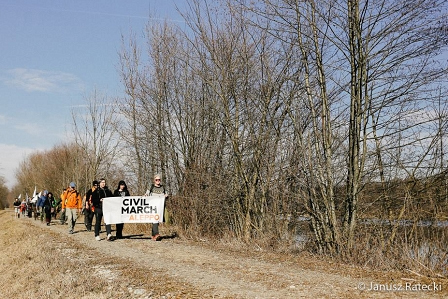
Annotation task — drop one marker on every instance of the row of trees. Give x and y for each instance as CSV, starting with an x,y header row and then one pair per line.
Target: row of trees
x,y
270,108
3,193
256,113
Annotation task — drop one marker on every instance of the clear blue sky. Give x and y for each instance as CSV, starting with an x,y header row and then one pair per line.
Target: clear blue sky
x,y
53,54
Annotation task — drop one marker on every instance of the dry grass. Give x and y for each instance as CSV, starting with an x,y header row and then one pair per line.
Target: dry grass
x,y
38,263
44,262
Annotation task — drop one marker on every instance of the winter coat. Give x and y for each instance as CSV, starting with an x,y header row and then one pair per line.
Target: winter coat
x,y
41,201
99,194
124,192
71,199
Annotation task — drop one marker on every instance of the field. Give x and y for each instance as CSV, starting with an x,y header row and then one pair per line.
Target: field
x,y
39,261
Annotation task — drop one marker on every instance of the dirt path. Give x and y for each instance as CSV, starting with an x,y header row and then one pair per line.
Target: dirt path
x,y
136,267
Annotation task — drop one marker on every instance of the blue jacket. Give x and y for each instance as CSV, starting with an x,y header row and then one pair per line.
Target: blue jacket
x,y
43,200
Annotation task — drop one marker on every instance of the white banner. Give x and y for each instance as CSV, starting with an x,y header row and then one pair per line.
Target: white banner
x,y
133,209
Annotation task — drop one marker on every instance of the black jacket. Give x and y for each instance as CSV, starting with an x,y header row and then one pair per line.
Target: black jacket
x,y
125,191
98,194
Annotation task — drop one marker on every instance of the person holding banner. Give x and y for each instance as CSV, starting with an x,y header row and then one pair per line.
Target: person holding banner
x,y
122,190
159,190
97,201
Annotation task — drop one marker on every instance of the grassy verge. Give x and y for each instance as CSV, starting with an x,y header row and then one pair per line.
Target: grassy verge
x,y
40,263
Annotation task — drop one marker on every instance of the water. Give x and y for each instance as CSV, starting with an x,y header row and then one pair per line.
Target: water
x,y
430,249
404,222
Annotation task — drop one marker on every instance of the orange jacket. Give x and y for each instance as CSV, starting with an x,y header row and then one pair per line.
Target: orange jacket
x,y
71,199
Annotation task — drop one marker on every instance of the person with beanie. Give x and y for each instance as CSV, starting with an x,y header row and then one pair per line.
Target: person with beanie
x,y
88,207
71,204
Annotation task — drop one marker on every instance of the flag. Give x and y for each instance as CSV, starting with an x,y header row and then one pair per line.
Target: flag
x,y
20,196
35,196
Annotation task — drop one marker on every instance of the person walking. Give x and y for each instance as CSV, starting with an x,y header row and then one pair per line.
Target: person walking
x,y
71,204
29,208
156,189
122,190
23,207
17,208
97,201
63,217
40,204
45,198
57,207
52,201
88,208
35,210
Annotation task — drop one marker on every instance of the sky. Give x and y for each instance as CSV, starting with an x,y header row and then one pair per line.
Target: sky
x,y
53,55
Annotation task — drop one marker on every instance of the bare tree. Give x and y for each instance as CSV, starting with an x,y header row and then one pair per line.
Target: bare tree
x,y
52,170
3,193
130,127
95,135
261,111
368,63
